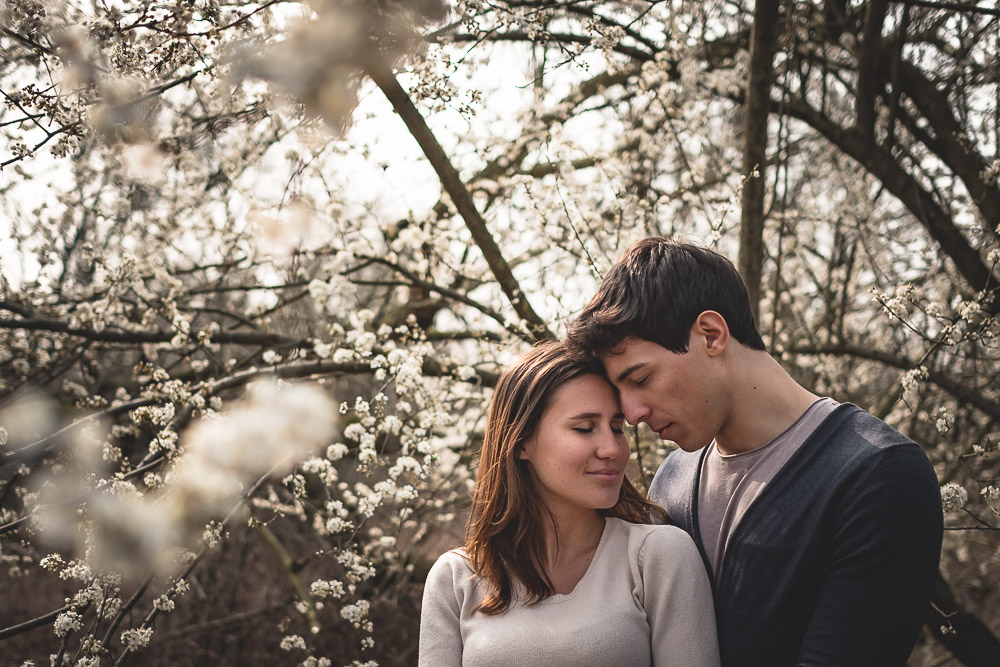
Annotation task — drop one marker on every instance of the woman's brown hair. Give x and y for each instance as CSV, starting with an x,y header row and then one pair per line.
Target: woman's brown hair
x,y
505,537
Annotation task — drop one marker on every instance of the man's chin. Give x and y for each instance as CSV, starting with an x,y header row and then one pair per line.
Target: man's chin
x,y
689,446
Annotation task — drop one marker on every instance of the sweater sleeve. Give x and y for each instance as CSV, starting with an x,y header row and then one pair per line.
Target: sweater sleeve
x,y
440,613
677,598
875,594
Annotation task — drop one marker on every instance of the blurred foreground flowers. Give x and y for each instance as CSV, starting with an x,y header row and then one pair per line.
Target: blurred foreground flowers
x,y
264,435
321,61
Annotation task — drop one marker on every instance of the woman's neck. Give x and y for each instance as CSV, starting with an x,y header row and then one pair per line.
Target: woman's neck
x,y
570,547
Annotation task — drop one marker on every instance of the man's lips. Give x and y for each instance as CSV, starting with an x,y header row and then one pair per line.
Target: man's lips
x,y
662,432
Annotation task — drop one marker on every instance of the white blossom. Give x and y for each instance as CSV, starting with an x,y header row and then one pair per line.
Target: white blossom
x,y
136,638
76,569
66,622
164,603
953,496
337,451
912,378
355,613
322,589
52,562
991,493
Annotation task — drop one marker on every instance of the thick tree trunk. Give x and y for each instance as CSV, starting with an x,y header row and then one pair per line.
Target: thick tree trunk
x,y
763,39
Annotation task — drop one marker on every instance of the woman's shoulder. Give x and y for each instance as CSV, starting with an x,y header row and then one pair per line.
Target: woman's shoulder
x,y
451,566
656,539
650,531
659,556
452,578
455,559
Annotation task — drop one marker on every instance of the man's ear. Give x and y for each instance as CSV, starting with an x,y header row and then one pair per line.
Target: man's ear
x,y
711,328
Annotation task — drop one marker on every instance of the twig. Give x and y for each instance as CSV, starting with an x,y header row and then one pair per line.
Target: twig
x,y
289,564
126,608
217,623
37,622
154,612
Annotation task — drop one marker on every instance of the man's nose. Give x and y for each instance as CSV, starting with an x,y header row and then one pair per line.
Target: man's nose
x,y
634,410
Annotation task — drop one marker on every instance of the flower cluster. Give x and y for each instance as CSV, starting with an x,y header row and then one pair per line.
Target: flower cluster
x,y
136,638
953,496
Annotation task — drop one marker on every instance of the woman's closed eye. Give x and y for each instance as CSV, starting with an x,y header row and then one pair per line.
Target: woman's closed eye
x,y
616,427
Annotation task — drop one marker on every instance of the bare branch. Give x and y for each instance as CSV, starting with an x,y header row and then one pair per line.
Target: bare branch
x,y
380,72
960,390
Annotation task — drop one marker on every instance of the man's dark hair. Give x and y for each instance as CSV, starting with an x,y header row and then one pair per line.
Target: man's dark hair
x,y
656,291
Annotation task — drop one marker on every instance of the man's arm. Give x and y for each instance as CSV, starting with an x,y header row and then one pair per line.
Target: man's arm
x,y
887,545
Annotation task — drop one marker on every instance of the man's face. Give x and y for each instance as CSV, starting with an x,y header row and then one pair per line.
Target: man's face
x,y
674,394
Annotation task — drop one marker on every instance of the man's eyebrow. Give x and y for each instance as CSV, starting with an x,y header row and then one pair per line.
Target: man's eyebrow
x,y
628,371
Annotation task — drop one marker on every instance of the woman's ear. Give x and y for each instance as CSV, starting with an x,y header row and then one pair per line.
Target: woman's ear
x,y
712,330
522,453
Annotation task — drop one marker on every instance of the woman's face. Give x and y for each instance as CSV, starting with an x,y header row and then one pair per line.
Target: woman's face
x,y
578,454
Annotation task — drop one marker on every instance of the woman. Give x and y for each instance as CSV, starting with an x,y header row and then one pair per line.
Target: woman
x,y
559,565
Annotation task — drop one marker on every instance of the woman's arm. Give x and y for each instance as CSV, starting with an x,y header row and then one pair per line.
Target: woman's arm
x,y
677,598
440,614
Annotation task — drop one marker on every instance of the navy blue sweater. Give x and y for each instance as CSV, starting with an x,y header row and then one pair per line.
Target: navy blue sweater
x,y
833,564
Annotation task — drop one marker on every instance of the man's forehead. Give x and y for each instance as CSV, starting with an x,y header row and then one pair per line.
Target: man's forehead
x,y
622,360
625,349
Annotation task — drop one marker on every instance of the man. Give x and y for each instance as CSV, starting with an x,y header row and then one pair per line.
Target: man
x,y
819,524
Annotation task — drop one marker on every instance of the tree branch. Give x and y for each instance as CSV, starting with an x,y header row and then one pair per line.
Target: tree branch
x,y
960,390
904,187
953,144
415,280
132,337
38,622
382,75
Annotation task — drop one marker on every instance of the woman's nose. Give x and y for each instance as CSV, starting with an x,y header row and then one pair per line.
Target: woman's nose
x,y
609,445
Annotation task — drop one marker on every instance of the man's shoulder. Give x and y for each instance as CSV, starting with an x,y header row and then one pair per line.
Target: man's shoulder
x,y
850,429
674,482
677,468
681,462
853,448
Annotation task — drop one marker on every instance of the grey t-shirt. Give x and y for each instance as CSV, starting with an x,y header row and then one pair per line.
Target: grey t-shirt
x,y
730,483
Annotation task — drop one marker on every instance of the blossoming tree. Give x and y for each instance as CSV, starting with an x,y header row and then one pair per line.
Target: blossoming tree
x,y
260,263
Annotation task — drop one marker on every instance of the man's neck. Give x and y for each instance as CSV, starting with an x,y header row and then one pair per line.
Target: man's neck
x,y
764,402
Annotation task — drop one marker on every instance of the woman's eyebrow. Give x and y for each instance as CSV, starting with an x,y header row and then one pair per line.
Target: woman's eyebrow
x,y
596,415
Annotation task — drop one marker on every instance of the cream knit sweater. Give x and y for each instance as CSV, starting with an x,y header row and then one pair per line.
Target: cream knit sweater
x,y
644,600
